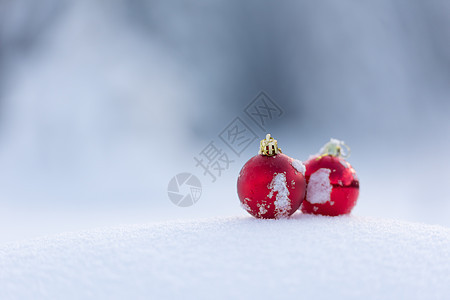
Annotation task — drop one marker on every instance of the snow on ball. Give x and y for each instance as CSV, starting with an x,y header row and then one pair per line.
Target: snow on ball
x,y
299,166
319,187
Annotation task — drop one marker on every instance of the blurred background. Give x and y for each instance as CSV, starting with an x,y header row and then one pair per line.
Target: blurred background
x,y
103,102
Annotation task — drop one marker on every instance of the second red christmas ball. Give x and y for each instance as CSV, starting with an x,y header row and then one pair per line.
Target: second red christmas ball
x,y
332,184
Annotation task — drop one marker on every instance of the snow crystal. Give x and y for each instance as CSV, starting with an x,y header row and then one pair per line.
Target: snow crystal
x,y
319,187
244,204
282,202
262,209
299,166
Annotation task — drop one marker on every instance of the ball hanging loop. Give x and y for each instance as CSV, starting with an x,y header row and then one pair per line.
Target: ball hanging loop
x,y
335,148
269,146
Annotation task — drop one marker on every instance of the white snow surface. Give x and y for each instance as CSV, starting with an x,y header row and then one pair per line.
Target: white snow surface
x,y
319,187
303,257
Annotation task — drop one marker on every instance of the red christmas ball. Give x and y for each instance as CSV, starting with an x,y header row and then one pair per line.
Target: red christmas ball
x,y
271,185
332,184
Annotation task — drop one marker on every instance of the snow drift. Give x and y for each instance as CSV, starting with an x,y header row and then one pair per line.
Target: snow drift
x,y
241,257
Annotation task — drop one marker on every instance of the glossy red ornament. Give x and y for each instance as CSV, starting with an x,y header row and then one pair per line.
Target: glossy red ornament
x,y
332,184
271,185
